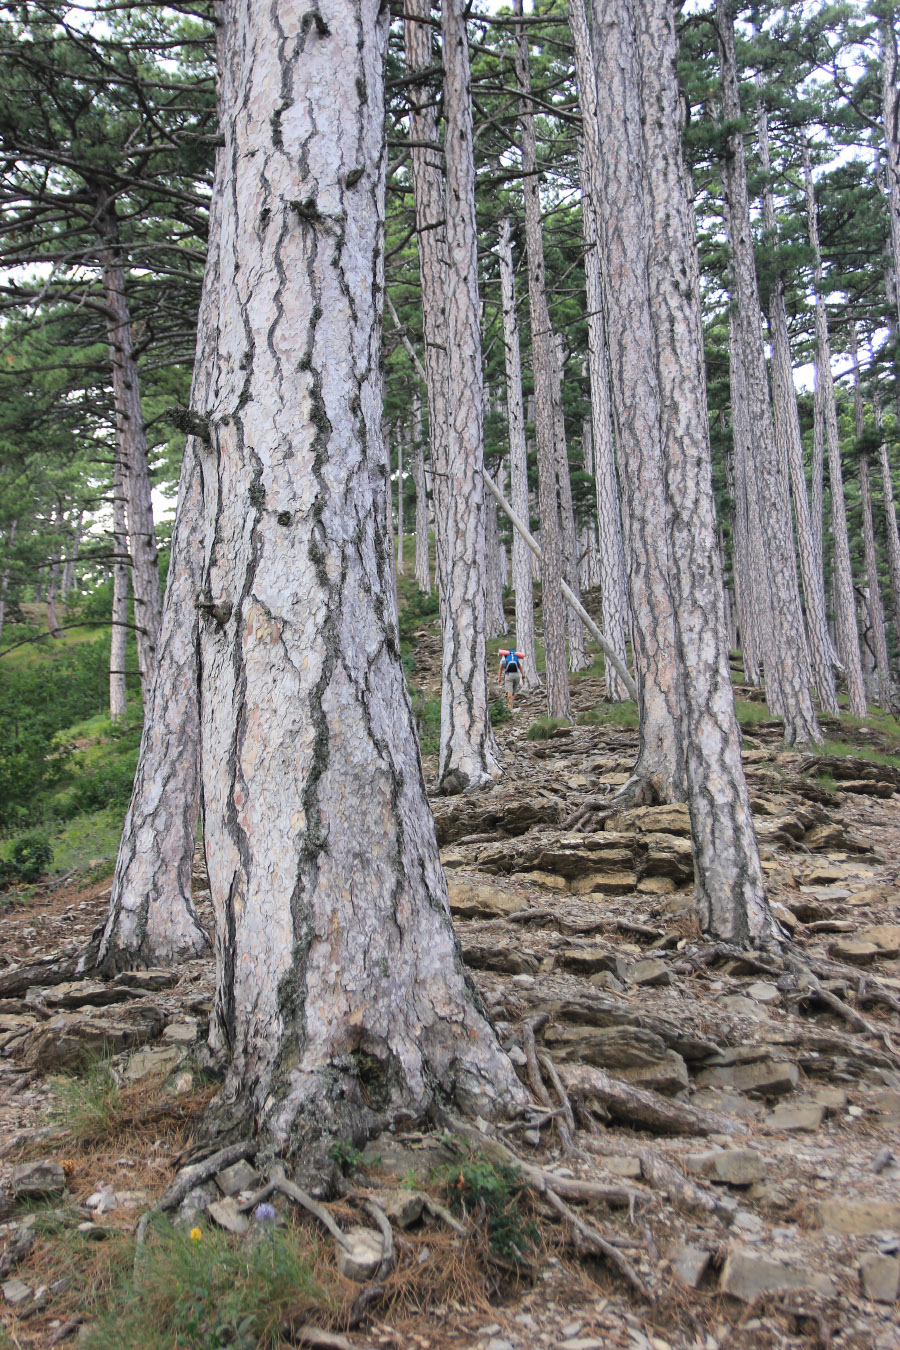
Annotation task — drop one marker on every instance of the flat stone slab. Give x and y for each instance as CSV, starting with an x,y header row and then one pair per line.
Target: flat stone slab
x,y
37,1178
227,1215
802,1117
747,1273
16,1292
764,1077
149,1063
732,1166
650,972
689,1263
885,936
239,1177
858,1217
855,951
880,1277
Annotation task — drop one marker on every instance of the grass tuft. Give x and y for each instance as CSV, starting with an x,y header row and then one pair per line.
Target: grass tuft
x,y
190,1293
544,727
88,1105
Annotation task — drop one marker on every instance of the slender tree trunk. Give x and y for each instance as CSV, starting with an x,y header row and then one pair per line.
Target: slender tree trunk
x,y
518,458
4,580
730,893
610,151
874,601
342,1000
787,672
400,434
890,105
468,753
817,469
132,440
543,356
68,574
790,441
892,536
118,638
577,656
845,603
53,575
746,584
495,618
609,524
423,574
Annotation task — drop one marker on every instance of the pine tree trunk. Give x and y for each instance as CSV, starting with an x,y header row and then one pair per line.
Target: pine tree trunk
x,y
745,584
778,608
609,524
577,656
874,601
495,618
845,603
53,574
817,470
790,442
68,575
132,442
342,1000
518,458
118,638
622,230
468,753
730,894
4,580
543,363
890,105
400,434
423,573
891,534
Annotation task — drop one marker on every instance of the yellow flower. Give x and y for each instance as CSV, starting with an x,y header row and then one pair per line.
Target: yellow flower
x,y
196,1235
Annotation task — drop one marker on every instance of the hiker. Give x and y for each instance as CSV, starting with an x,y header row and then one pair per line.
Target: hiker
x,y
511,673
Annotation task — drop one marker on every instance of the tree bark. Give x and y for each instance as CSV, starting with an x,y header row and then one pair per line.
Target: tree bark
x,y
746,584
874,601
845,603
790,441
118,638
518,457
729,888
400,434
423,573
609,524
53,574
68,575
468,752
892,536
779,612
890,107
578,659
495,617
132,440
543,356
614,154
342,1000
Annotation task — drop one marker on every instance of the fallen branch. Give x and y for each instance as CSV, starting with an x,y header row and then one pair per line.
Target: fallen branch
x,y
594,1239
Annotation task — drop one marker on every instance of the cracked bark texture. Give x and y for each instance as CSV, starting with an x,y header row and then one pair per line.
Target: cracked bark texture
x,y
468,751
614,153
342,999
790,441
118,638
846,631
609,524
131,441
745,583
778,609
729,888
578,659
543,358
518,457
890,109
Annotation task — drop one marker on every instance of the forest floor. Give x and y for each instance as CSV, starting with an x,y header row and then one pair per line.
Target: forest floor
x,y
737,1118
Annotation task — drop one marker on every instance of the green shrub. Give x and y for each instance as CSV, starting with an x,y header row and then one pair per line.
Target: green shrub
x,y
29,858
544,727
490,1194
86,1104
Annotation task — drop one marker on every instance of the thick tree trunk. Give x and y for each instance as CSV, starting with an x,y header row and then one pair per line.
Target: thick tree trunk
x,y
131,441
400,435
342,999
543,358
495,618
118,638
779,613
468,752
817,469
518,458
730,893
613,152
609,524
746,585
790,442
4,580
845,603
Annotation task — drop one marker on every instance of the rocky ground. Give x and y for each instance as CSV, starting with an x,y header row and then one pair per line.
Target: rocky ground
x,y
714,1154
